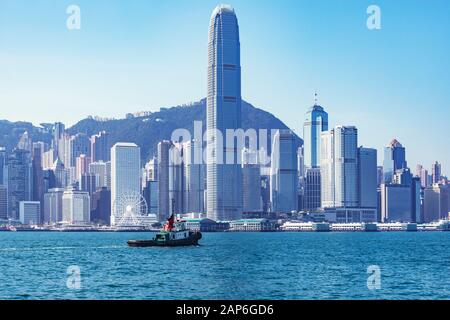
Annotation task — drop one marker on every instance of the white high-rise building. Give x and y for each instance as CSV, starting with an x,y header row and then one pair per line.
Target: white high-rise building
x,y
125,175
76,207
283,175
53,206
224,180
339,168
30,212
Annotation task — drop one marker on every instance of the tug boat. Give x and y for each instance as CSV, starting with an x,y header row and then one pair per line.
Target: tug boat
x,y
174,234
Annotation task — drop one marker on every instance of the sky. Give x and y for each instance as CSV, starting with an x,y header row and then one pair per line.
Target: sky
x,y
142,55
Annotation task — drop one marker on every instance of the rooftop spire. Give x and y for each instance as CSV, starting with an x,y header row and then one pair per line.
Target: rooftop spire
x,y
315,98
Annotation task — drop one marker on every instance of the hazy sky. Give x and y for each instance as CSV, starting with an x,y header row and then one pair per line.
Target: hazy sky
x,y
141,55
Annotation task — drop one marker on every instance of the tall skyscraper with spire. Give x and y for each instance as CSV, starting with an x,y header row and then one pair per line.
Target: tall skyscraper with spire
x,y
224,180
316,122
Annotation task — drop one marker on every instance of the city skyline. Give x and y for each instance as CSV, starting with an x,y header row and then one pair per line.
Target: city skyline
x,y
398,46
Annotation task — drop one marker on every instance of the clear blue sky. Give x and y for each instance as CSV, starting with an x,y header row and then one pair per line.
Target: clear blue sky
x,y
141,55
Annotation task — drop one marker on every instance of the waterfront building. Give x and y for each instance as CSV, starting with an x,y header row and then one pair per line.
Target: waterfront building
x,y
394,159
150,193
38,175
88,183
348,177
176,178
194,177
251,177
3,202
350,215
316,122
224,180
401,202
76,207
101,206
53,200
19,179
283,175
265,189
164,206
367,177
201,224
125,175
311,190
100,149
30,212
3,167
436,202
252,225
339,168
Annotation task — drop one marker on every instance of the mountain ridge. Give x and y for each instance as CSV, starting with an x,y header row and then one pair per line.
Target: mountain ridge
x,y
147,130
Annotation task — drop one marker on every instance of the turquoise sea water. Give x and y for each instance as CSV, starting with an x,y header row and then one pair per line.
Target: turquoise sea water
x,y
226,266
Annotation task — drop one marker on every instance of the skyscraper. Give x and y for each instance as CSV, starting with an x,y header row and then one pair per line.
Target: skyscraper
x,y
3,202
316,122
79,144
76,207
339,168
224,180
311,190
367,177
436,202
99,169
422,173
251,178
3,158
164,206
176,178
100,150
20,180
348,177
194,177
394,159
125,175
283,175
58,142
81,166
436,172
53,206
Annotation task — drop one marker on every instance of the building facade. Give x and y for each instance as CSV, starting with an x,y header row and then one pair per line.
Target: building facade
x,y
125,175
224,180
283,175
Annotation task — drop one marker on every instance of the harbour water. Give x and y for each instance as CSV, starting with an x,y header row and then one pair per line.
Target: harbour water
x,y
34,265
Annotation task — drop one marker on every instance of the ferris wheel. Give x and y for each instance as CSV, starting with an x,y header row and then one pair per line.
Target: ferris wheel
x,y
129,208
